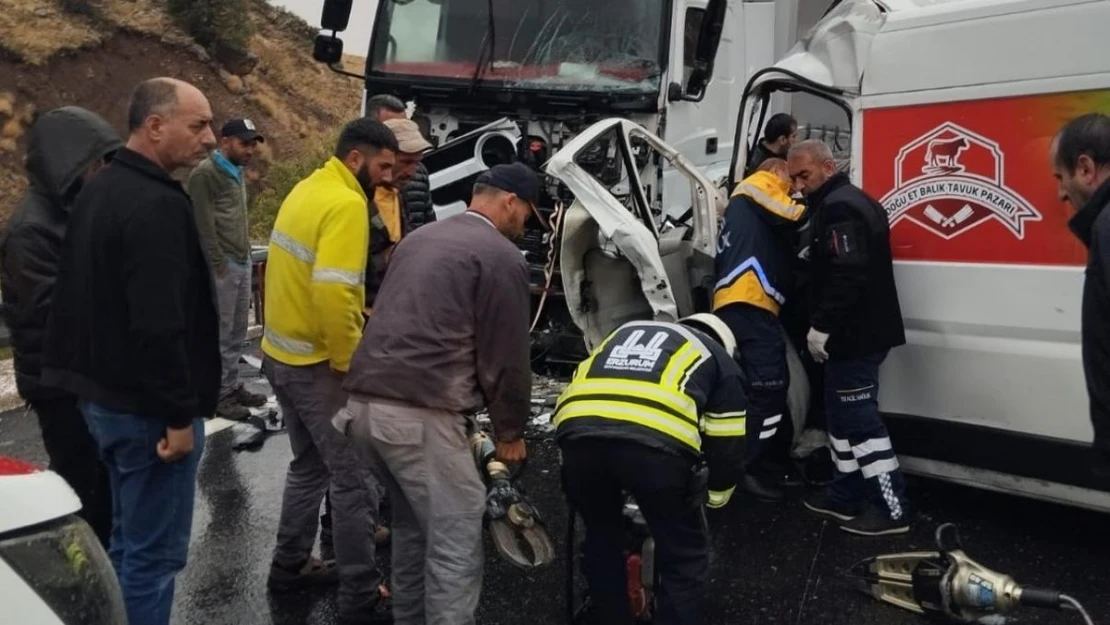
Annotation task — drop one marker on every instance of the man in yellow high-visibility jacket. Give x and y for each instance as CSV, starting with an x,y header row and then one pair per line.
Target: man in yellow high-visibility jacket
x,y
314,296
658,410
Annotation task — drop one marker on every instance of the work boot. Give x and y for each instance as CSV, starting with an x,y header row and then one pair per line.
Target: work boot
x,y
824,504
876,522
761,490
312,573
228,408
249,399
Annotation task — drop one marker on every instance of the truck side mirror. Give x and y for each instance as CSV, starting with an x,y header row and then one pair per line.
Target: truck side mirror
x,y
327,49
337,13
709,39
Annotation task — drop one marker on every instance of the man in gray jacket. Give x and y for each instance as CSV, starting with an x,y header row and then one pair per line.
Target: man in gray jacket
x,y
219,195
449,335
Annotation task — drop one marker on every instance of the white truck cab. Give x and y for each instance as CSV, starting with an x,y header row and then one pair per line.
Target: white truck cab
x,y
550,68
951,107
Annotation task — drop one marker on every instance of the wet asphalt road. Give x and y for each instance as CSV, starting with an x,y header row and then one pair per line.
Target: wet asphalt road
x,y
772,564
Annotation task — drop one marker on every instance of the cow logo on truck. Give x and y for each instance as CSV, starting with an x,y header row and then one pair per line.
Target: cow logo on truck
x,y
951,180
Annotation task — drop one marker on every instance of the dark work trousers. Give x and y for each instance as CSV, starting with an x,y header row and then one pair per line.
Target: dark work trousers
x,y
595,472
74,455
762,356
867,469
323,459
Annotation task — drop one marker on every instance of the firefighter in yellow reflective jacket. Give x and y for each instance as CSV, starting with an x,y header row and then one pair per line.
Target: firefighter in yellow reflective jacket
x,y
657,411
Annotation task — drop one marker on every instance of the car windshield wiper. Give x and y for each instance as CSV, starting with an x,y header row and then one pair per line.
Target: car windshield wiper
x,y
489,49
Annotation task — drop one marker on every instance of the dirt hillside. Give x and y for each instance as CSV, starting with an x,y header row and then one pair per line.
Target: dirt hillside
x,y
92,53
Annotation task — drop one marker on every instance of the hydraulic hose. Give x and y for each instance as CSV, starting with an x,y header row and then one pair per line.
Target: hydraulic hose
x,y
1071,603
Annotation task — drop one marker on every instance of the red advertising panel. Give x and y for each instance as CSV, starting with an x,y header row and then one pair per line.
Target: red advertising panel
x,y
971,181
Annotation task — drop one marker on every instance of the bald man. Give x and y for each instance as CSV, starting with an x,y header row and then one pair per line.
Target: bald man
x,y
855,320
134,334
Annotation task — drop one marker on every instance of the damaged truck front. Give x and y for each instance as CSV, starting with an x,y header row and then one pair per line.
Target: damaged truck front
x,y
502,82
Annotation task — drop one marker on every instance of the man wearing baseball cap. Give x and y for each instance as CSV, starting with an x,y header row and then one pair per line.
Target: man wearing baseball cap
x,y
449,336
219,195
388,215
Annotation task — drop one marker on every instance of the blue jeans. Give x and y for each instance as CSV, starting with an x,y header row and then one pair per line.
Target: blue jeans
x,y
152,508
867,469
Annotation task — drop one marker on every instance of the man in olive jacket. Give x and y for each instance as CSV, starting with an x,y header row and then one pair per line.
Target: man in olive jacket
x,y
219,197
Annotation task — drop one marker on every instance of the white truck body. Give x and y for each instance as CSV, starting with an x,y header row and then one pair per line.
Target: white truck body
x,y
952,106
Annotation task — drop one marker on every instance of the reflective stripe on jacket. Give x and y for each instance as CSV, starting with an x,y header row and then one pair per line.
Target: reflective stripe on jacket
x,y
752,262
315,270
664,385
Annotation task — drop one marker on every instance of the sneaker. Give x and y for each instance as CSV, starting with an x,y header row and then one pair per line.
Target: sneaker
x,y
825,505
312,573
249,399
761,490
875,522
228,408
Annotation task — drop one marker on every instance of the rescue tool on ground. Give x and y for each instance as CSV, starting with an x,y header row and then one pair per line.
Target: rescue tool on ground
x,y
639,552
514,523
947,585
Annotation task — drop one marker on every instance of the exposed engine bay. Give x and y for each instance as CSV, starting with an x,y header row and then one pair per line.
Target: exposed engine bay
x,y
467,145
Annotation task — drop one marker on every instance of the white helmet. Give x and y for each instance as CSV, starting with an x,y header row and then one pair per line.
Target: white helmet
x,y
713,326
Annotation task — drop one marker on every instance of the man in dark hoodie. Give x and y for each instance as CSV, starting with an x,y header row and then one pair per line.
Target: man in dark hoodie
x,y
65,149
1081,165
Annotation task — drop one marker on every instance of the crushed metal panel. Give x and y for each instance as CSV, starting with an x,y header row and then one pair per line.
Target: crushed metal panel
x,y
620,232
458,163
707,200
835,51
628,237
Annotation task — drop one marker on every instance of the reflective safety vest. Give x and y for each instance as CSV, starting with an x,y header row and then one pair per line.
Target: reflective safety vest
x,y
664,385
753,262
315,270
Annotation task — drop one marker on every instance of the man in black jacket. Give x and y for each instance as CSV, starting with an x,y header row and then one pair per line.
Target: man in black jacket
x,y
778,135
855,320
65,149
1081,164
134,333
416,195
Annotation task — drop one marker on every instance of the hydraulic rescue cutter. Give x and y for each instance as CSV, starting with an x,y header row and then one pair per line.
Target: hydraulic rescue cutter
x,y
948,586
639,562
514,523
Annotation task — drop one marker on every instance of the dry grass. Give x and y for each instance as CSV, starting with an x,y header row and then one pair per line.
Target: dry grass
x,y
300,103
35,30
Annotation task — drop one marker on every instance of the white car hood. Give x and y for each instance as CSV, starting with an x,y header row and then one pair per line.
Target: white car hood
x,y
31,496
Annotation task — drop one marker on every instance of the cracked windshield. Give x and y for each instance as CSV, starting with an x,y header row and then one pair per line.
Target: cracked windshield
x,y
545,44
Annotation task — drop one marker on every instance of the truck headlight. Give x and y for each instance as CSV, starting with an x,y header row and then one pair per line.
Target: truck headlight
x,y
64,563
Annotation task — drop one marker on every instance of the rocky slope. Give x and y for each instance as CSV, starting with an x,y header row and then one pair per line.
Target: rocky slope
x,y
93,52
